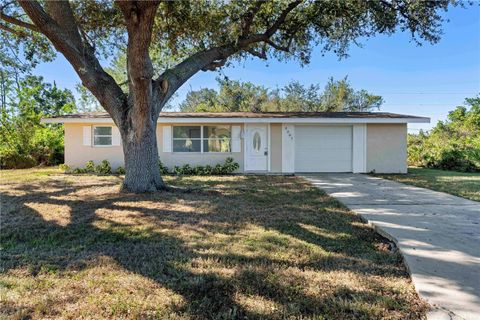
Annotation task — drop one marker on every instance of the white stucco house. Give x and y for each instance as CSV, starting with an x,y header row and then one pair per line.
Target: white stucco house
x,y
269,142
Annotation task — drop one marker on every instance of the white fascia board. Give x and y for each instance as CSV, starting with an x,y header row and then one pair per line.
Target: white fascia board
x,y
251,120
294,120
76,120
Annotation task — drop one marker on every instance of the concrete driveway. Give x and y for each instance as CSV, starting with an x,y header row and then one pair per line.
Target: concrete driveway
x,y
438,234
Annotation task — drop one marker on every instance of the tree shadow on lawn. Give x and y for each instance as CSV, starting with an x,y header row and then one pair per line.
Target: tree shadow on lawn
x,y
250,247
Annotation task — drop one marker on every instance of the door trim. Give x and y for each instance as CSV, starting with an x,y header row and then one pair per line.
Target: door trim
x,y
246,140
269,146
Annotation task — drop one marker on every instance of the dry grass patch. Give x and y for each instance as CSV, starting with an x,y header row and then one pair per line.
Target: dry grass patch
x,y
238,247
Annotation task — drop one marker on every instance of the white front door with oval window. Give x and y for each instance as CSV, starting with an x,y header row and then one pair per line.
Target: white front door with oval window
x,y
256,147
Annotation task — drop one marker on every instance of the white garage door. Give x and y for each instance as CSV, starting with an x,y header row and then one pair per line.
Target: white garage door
x,y
323,148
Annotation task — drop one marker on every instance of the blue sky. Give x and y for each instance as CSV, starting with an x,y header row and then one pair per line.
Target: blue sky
x,y
427,80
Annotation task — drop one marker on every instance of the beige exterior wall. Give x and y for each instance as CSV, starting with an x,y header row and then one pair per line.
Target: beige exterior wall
x,y
171,159
276,147
76,154
387,148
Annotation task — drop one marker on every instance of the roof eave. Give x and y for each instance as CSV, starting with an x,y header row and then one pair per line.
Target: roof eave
x,y
252,120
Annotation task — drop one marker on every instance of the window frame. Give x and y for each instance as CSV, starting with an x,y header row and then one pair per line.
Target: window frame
x,y
217,139
177,139
202,139
102,135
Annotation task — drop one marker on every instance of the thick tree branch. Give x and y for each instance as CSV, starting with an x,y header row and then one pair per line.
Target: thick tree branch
x,y
262,55
215,57
79,54
212,66
18,22
281,19
249,16
12,31
61,12
278,47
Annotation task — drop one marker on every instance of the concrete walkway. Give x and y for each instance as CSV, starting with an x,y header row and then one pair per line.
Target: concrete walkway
x,y
438,235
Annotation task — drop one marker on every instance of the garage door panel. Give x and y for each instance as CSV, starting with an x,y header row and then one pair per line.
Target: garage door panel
x,y
323,148
328,157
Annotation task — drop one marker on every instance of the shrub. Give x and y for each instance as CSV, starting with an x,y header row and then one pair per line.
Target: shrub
x,y
65,168
228,167
103,168
163,169
187,169
26,147
453,144
90,167
455,160
177,170
10,158
79,170
218,169
199,171
208,170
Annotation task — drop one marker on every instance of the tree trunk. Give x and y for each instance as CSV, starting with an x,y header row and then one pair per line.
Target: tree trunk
x,y
140,151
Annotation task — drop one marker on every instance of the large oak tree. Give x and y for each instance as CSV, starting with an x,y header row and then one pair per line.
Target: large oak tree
x,y
185,37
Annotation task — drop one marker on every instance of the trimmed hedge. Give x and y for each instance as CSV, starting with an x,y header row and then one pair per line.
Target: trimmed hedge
x,y
225,168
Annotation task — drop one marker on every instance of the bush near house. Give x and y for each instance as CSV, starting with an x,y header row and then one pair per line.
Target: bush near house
x,y
225,168
228,167
453,144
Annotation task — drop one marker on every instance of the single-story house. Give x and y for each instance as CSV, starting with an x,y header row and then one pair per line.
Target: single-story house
x,y
266,142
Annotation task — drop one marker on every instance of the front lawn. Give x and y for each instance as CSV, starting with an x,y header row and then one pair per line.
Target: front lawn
x,y
267,247
466,185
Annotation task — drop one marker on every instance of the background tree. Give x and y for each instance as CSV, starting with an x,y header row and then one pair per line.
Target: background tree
x,y
340,96
203,100
195,35
24,141
234,96
453,144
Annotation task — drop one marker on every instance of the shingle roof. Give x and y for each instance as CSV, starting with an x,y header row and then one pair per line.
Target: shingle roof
x,y
383,115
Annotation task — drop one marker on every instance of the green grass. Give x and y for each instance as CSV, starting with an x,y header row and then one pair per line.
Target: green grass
x,y
466,185
256,247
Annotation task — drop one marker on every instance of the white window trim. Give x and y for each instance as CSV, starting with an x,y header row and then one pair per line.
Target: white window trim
x,y
102,135
202,139
187,152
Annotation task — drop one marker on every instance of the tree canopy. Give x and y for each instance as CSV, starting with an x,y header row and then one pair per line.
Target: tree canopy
x,y
206,34
234,96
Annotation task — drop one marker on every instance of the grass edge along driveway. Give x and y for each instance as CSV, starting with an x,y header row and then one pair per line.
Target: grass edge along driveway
x,y
461,184
268,247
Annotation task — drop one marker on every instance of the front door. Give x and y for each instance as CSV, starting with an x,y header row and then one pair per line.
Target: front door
x,y
256,147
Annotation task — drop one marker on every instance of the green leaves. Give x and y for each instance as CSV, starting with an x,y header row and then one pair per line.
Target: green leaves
x,y
235,96
24,142
183,28
453,144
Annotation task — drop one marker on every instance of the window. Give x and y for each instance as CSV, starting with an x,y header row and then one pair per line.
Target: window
x,y
187,139
102,136
216,138
201,139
